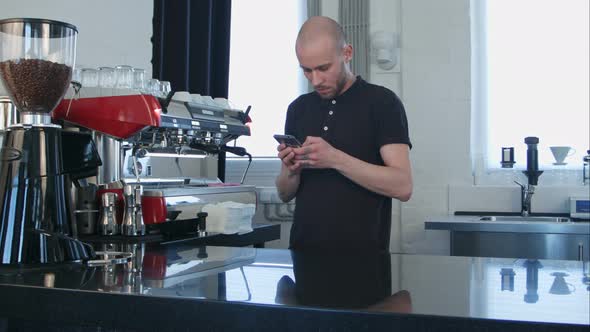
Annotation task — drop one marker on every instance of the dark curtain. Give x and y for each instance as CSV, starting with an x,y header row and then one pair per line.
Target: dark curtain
x,y
191,45
191,48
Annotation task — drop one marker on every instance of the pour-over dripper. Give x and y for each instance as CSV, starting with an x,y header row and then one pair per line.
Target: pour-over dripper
x,y
36,61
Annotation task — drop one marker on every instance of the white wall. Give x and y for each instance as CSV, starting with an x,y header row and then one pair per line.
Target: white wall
x,y
436,93
110,32
385,15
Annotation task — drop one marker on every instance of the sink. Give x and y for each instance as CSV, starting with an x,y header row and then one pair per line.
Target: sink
x,y
521,218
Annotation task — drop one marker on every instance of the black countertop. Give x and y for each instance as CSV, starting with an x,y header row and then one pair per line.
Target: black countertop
x,y
180,286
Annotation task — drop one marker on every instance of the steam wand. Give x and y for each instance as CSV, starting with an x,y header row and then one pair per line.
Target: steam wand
x,y
134,152
239,151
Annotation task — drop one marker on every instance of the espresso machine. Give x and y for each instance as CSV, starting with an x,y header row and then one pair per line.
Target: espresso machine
x,y
40,161
161,152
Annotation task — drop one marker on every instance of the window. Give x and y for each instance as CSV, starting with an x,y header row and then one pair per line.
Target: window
x,y
264,71
530,69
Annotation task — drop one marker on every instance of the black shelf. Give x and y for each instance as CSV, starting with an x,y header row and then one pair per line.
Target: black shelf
x,y
261,233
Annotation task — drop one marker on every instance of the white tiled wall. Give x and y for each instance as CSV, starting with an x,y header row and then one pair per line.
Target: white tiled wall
x,y
548,199
385,16
426,201
436,93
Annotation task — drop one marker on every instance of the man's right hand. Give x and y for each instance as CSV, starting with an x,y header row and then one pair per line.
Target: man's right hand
x,y
287,157
288,180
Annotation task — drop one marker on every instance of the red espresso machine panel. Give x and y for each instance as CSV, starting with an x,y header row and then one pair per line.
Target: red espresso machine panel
x,y
120,116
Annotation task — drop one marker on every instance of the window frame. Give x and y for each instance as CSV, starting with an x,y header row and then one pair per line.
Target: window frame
x,y
482,172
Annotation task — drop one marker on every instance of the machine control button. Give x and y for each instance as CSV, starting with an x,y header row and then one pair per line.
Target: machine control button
x,y
325,128
331,112
333,102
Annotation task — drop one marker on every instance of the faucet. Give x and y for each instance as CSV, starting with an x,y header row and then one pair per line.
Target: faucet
x,y
526,195
532,172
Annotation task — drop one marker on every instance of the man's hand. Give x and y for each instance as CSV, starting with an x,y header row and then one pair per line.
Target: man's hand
x,y
393,179
316,153
288,180
287,156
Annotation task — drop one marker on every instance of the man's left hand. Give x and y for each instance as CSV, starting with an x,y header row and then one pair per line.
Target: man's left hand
x,y
317,153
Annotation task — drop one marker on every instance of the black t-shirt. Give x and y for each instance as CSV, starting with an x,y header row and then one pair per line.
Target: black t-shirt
x,y
333,212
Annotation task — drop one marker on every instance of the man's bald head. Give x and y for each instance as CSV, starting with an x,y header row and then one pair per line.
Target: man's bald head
x,y
320,29
324,56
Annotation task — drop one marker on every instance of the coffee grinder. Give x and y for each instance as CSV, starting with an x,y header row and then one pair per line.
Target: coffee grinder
x,y
39,161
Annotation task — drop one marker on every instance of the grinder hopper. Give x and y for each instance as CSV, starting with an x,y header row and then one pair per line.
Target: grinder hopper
x,y
36,61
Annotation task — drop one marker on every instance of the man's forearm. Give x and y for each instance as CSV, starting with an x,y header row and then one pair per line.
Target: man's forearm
x,y
385,180
287,184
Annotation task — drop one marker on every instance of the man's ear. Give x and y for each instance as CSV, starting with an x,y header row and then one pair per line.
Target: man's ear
x,y
347,51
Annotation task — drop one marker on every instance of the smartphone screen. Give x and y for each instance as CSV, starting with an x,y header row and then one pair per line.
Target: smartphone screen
x,y
288,140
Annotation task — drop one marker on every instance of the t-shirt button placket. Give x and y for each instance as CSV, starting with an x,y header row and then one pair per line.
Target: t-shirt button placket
x,y
330,112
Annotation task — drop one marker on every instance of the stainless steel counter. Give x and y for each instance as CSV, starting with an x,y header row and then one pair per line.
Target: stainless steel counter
x,y
473,224
471,236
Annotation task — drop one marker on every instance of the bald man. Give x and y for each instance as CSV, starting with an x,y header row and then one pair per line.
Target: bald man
x,y
355,155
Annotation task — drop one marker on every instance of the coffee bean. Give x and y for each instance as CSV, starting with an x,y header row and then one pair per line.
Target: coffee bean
x,y
35,85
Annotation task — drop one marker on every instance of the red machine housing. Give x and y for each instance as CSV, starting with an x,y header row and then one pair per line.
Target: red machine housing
x,y
119,116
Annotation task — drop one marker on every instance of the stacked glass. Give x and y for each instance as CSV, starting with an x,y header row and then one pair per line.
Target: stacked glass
x,y
121,77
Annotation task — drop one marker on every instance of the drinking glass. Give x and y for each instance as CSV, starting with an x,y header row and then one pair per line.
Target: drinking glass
x,y
106,77
89,77
124,77
77,75
165,88
153,87
139,79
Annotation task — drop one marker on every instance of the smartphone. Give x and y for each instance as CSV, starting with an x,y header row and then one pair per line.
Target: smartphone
x,y
288,140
